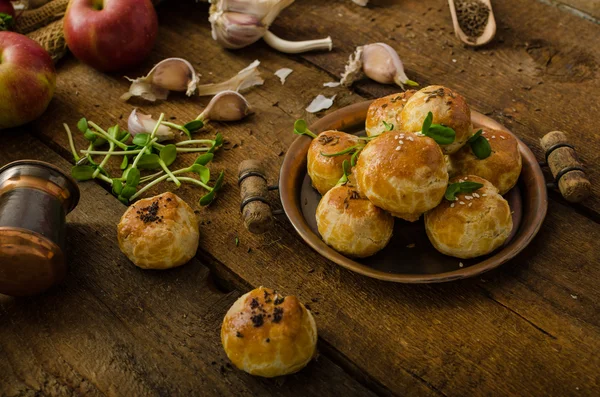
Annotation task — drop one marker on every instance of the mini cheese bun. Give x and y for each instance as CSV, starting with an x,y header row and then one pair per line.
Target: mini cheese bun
x,y
448,108
386,109
160,232
325,172
352,225
475,224
267,334
502,168
402,173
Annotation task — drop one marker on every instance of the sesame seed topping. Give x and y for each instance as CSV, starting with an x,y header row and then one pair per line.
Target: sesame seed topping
x,y
475,195
483,195
502,137
470,204
452,205
469,197
493,136
461,202
410,138
395,136
401,135
401,142
460,264
398,147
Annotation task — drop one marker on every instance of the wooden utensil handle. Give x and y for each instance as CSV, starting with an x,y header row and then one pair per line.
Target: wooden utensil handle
x,y
565,166
255,208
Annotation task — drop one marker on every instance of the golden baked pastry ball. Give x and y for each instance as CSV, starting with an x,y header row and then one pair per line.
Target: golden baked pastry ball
x,y
325,172
402,173
475,224
448,108
386,109
267,334
502,168
352,225
160,232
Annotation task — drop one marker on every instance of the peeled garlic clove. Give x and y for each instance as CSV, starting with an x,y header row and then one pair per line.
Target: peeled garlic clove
x,y
234,30
139,123
172,74
246,78
226,106
382,64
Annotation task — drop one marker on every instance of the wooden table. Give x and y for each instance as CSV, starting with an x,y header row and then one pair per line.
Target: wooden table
x,y
530,328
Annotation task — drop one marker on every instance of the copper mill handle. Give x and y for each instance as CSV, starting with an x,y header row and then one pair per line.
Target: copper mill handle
x,y
569,174
255,208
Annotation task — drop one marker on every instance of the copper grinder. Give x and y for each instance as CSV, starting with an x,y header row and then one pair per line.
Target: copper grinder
x,y
35,198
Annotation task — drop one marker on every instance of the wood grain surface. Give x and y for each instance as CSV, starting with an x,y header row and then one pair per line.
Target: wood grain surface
x,y
532,327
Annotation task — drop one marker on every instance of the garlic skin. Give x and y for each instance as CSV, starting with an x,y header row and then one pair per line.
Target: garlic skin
x,y
226,106
172,74
139,123
321,102
238,23
362,3
246,78
379,62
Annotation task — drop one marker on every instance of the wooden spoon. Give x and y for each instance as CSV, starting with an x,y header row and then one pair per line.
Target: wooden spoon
x,y
488,33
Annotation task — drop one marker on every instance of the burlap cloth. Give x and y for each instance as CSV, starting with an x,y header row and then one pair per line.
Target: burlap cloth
x,y
45,25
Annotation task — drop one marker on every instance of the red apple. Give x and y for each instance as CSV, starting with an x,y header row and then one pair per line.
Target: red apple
x,y
110,35
27,80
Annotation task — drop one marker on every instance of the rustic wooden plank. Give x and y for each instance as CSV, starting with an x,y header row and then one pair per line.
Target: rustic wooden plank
x,y
113,329
587,9
456,339
535,77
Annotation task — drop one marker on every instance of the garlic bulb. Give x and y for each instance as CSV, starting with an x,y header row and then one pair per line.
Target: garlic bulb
x,y
246,78
239,23
139,123
226,106
379,62
172,74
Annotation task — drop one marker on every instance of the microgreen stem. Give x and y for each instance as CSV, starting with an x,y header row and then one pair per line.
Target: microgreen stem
x,y
158,180
104,160
193,150
141,153
103,152
176,126
150,177
106,135
195,141
169,173
156,126
71,143
104,178
196,182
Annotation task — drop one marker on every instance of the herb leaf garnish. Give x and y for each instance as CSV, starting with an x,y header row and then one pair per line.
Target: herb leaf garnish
x,y
300,128
441,134
388,126
346,169
460,187
480,145
350,149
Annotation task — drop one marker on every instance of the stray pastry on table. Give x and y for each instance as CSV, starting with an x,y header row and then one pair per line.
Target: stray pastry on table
x,y
448,108
386,109
267,334
502,168
475,222
325,171
402,173
352,225
159,232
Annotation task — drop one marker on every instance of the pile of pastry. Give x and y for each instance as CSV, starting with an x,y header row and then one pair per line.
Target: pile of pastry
x,y
421,156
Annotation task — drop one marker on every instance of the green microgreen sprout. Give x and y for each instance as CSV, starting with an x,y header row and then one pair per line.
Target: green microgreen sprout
x,y
460,187
300,128
6,21
480,145
441,134
352,149
346,170
143,152
388,126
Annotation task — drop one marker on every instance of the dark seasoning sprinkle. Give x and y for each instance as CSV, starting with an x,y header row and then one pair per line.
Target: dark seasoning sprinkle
x,y
259,313
472,17
150,214
326,140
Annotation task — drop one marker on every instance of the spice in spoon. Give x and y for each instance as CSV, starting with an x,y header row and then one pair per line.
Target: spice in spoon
x,y
472,17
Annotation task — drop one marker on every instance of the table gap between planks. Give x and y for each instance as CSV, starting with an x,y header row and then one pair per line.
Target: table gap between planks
x,y
528,328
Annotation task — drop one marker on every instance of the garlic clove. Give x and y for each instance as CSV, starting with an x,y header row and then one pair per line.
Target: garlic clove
x,y
234,30
264,10
172,74
246,78
139,123
382,64
226,106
